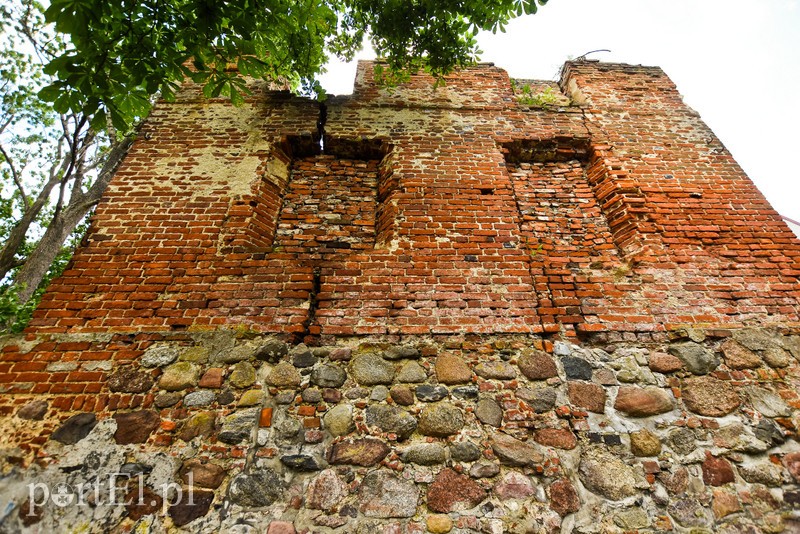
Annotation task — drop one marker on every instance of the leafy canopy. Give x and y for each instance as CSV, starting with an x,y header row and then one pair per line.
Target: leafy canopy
x,y
124,51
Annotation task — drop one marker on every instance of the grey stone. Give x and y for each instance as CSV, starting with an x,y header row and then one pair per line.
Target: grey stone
x,y
755,339
539,399
514,452
243,375
737,437
399,352
440,420
379,393
129,380
431,393
239,353
767,402
302,357
464,451
328,376
301,462
75,428
489,412
204,397
792,344
496,370
412,373
697,359
764,472
159,356
769,432
257,489
286,427
606,475
776,357
561,349
311,395
339,420
370,370
357,393
165,400
284,397
238,426
425,454
194,355
383,494
465,392
33,411
690,513
484,470
391,419
271,351
284,375
576,368
682,441
178,376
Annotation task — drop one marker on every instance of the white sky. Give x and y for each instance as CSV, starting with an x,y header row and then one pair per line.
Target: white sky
x,y
736,62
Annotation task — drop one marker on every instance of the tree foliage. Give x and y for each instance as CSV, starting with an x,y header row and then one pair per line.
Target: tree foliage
x,y
53,166
124,51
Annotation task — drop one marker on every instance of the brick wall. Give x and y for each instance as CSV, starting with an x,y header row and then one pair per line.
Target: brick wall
x,y
420,308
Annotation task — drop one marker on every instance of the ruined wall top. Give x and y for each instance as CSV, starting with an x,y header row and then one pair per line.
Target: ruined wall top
x,y
491,306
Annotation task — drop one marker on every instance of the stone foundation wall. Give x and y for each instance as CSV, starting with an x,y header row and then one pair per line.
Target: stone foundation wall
x,y
693,431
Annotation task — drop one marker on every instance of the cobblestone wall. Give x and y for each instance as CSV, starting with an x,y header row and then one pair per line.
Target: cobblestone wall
x,y
417,309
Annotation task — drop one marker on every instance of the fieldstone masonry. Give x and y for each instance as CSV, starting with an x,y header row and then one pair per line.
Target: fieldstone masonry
x,y
417,309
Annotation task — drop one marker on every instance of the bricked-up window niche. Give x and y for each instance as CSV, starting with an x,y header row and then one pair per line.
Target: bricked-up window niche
x,y
310,201
563,226
331,203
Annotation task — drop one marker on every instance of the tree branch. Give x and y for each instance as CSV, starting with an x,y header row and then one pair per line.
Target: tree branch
x,y
15,176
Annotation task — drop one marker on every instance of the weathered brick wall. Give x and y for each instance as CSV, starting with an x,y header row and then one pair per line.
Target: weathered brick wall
x,y
417,309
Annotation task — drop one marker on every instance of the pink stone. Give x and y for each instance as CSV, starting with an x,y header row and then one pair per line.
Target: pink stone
x,y
514,485
281,527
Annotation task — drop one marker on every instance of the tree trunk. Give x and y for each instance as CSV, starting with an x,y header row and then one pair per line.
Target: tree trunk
x,y
17,235
63,224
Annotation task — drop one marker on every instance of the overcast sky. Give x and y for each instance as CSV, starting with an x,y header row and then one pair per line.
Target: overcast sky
x,y
736,62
